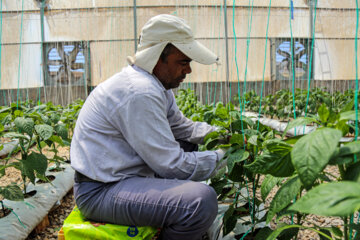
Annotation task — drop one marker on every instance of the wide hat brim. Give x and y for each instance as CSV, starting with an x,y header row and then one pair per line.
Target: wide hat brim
x,y
197,52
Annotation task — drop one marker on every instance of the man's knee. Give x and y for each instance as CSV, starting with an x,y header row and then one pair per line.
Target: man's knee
x,y
205,199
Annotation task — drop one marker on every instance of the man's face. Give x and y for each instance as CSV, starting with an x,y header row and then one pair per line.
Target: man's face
x,y
173,71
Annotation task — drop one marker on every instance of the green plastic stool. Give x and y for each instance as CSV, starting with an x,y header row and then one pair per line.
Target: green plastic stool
x,y
76,227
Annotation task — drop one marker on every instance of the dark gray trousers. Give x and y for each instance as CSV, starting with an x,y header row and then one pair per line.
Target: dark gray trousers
x,y
183,209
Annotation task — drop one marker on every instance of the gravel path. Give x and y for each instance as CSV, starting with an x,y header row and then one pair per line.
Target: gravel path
x,y
56,219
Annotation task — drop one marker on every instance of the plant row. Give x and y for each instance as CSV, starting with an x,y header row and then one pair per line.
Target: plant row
x,y
285,105
261,159
31,128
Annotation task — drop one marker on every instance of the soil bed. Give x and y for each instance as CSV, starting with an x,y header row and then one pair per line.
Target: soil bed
x,y
65,206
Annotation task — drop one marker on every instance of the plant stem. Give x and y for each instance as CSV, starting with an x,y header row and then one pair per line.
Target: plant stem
x,y
346,237
24,181
342,171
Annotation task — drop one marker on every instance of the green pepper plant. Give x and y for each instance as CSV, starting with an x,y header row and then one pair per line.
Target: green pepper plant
x,y
306,186
32,128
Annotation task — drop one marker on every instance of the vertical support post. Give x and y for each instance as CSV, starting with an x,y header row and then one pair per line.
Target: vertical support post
x,y
89,67
227,85
311,3
43,47
135,26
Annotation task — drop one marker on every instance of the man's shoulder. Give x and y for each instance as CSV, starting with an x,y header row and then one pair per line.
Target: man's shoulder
x,y
133,79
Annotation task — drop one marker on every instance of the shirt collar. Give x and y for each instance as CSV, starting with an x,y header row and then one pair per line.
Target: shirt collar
x,y
139,69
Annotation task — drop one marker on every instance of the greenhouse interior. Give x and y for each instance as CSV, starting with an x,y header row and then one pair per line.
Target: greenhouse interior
x,y
282,101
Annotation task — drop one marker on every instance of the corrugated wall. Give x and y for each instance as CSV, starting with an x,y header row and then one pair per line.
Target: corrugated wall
x,y
108,27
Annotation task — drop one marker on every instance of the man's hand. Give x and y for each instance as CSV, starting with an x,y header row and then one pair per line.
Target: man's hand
x,y
220,163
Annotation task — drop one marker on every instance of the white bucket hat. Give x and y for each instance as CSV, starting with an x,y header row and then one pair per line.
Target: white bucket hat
x,y
161,30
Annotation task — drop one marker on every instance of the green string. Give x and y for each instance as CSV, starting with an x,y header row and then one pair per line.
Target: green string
x,y
235,53
16,216
243,96
21,27
292,63
238,78
310,62
247,49
293,78
263,76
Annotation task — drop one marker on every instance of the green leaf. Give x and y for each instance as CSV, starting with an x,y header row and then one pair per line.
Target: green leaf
x,y
268,184
352,172
34,162
343,126
349,149
345,154
293,140
283,197
301,121
253,140
24,125
235,157
218,185
237,174
62,131
349,115
15,135
237,139
263,233
57,140
221,111
223,124
324,113
211,143
278,231
12,192
229,221
348,106
312,153
330,199
211,135
288,234
18,113
55,118
275,160
45,131
331,230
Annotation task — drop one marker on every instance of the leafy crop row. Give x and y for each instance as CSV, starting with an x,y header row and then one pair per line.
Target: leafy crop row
x,y
297,167
32,128
281,104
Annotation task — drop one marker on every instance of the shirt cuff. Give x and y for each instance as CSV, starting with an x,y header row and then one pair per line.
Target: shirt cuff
x,y
220,154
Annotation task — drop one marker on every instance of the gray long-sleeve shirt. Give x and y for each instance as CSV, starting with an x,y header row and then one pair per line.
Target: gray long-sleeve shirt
x,y
128,126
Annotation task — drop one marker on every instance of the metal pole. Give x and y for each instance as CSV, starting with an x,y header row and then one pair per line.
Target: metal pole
x,y
311,3
135,26
227,85
43,47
